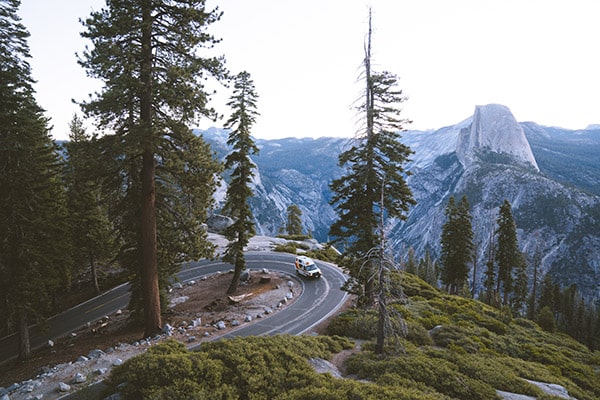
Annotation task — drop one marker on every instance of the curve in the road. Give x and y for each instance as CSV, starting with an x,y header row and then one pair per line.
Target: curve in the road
x,y
319,299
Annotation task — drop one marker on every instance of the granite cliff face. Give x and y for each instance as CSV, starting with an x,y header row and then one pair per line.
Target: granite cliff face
x,y
489,157
494,129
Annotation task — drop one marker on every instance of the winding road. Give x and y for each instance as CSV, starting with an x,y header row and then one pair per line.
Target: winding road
x,y
318,300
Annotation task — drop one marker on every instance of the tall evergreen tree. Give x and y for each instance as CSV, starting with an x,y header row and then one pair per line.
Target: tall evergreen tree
x,y
294,221
374,164
521,282
148,53
92,234
412,266
243,103
457,245
34,246
489,282
533,297
508,255
547,295
428,269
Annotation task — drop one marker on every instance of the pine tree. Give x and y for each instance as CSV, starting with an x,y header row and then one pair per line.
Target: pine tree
x,y
92,234
508,255
546,319
294,221
521,285
34,246
148,55
243,103
533,298
373,164
411,262
489,282
457,245
428,269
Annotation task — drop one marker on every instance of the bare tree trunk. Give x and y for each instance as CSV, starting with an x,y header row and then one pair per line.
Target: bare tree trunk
x,y
24,343
383,316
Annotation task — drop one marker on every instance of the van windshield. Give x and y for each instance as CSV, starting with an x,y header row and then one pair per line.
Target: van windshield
x,y
311,267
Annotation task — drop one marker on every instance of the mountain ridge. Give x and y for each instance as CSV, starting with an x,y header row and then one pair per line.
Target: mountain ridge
x,y
555,201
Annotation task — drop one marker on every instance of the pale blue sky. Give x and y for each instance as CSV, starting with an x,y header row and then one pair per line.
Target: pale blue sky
x,y
538,57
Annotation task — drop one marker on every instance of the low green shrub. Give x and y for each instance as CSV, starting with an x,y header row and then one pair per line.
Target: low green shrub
x,y
326,254
456,335
438,374
354,323
241,368
286,248
417,334
412,285
293,237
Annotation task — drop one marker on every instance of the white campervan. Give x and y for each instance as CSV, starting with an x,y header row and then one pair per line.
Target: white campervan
x,y
306,266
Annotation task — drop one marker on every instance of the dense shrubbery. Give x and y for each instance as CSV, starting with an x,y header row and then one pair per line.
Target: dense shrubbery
x,y
249,368
357,324
326,254
289,247
465,349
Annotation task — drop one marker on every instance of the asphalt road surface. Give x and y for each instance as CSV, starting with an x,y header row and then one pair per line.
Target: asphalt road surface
x,y
319,299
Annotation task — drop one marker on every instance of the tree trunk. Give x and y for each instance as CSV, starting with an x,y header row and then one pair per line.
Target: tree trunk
x,y
368,296
474,291
24,343
150,288
237,272
383,316
94,275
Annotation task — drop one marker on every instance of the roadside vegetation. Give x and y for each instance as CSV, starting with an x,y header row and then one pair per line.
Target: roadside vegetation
x,y
454,348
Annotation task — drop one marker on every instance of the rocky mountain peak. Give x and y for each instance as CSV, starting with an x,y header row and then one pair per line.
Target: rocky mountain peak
x,y
493,128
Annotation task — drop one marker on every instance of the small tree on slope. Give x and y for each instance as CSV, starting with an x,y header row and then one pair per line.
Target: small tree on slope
x,y
243,103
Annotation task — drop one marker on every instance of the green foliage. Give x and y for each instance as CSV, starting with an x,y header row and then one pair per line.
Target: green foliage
x,y
374,181
243,103
327,253
291,247
294,221
293,237
441,375
452,339
457,244
507,254
413,285
454,348
286,248
355,323
149,56
417,334
243,368
92,233
34,242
